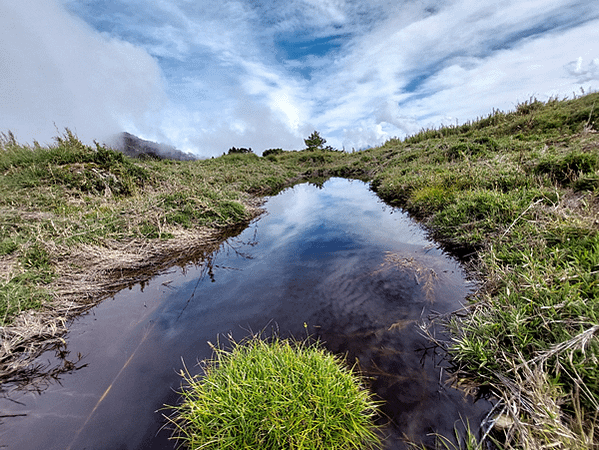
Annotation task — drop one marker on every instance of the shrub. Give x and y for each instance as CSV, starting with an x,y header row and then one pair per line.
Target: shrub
x,y
273,395
316,142
272,151
242,150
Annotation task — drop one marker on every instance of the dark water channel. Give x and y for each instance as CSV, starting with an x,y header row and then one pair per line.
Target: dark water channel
x,y
359,274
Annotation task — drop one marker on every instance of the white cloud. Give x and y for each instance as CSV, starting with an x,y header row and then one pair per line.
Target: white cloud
x,y
470,57
55,69
242,122
400,66
584,71
323,12
552,65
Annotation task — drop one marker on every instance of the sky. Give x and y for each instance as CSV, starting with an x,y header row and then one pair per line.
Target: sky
x,y
205,76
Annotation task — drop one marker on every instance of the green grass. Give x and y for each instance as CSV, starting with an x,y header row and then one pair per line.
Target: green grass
x,y
515,193
273,395
518,193
70,194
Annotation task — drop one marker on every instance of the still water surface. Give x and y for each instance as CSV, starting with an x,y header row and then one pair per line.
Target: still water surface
x,y
361,275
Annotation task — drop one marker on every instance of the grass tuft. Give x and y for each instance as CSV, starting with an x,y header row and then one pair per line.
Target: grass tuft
x,y
272,395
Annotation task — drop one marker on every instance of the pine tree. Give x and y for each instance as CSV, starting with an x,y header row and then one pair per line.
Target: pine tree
x,y
315,142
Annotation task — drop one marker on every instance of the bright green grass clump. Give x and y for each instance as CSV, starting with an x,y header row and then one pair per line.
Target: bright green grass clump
x,y
276,395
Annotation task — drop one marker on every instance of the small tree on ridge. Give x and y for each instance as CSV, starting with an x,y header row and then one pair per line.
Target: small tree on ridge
x,y
315,142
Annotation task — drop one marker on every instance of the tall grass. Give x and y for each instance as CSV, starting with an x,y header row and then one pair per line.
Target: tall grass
x,y
272,395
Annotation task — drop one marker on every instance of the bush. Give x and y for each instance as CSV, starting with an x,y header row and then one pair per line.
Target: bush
x,y
242,150
274,395
272,151
314,141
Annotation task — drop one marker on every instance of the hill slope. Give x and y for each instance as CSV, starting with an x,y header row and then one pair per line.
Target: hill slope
x,y
516,194
135,147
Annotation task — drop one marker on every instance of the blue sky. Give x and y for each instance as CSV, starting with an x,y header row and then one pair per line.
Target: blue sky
x,y
205,76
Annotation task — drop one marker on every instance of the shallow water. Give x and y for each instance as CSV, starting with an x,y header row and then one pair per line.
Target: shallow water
x,y
361,275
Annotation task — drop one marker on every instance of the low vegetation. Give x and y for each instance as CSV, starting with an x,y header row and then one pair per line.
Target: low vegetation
x,y
515,194
275,394
79,222
518,193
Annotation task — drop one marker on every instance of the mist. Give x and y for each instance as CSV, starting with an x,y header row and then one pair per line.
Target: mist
x,y
57,72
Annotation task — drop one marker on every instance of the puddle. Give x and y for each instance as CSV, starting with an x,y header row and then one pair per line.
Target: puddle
x,y
361,275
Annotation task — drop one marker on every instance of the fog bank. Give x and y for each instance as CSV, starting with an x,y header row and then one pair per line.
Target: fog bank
x,y
56,72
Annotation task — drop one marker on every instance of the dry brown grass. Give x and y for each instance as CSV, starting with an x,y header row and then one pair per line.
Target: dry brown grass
x,y
529,414
87,274
421,269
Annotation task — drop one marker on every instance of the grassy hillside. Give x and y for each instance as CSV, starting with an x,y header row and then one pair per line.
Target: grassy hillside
x,y
515,193
518,193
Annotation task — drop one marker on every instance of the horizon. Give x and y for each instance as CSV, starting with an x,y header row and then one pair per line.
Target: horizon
x,y
204,77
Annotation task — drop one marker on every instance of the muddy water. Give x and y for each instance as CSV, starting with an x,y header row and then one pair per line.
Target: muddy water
x,y
359,274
